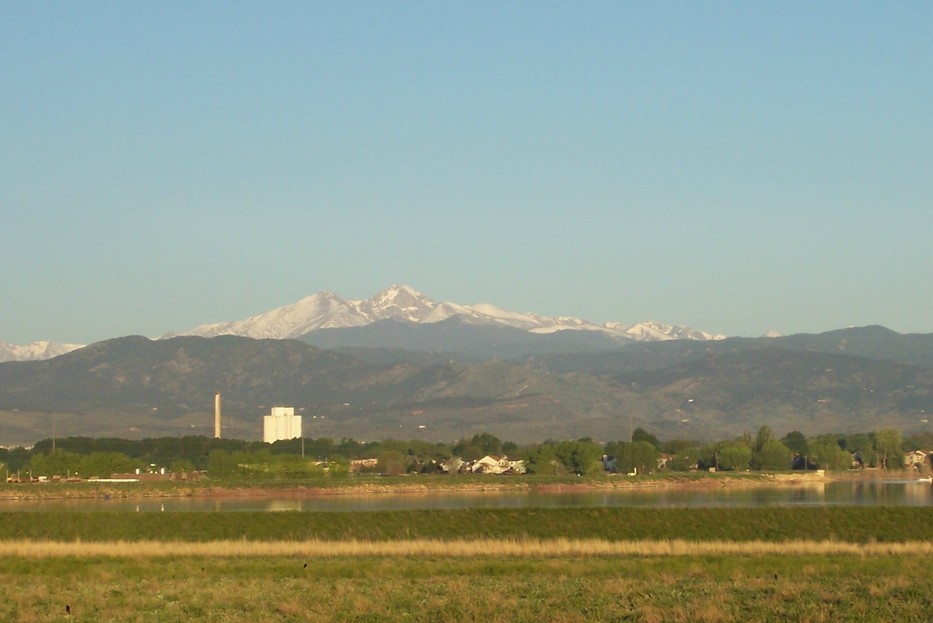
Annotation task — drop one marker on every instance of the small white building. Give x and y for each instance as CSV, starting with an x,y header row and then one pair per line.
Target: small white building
x,y
281,423
497,465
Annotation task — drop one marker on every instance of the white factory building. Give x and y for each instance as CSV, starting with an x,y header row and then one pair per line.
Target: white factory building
x,y
282,423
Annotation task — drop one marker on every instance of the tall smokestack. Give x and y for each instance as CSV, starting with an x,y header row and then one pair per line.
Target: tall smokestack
x,y
217,415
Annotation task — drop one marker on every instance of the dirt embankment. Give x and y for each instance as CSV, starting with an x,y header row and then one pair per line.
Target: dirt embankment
x,y
710,481
302,491
406,486
517,485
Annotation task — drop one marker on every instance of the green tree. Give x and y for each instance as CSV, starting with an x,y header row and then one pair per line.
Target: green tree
x,y
763,437
640,434
587,457
685,460
563,452
391,462
675,446
16,459
614,448
863,446
542,460
103,464
179,466
773,455
640,457
338,467
287,466
890,447
221,464
350,448
58,463
583,456
469,452
486,442
796,442
320,449
825,453
733,457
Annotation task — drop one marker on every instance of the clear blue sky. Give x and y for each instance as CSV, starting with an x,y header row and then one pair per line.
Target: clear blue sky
x,y
731,166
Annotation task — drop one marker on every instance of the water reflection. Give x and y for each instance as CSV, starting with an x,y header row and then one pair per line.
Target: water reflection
x,y
857,493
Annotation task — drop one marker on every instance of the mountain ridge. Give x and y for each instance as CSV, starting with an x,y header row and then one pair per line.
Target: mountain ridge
x,y
852,380
326,310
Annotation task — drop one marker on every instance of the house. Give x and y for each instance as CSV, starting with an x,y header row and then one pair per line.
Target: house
x,y
368,464
916,459
497,465
452,465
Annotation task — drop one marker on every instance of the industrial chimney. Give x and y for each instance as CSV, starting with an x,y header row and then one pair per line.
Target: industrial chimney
x,y
217,415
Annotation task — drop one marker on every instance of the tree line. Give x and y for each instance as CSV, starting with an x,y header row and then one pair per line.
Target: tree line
x,y
643,453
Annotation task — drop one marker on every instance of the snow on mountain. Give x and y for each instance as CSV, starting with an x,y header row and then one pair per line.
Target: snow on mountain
x,y
326,310
35,351
491,313
406,304
656,331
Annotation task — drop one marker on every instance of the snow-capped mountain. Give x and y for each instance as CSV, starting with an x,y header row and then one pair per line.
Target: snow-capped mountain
x,y
35,351
651,331
326,310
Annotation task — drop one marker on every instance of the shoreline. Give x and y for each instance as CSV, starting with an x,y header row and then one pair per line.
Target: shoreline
x,y
207,489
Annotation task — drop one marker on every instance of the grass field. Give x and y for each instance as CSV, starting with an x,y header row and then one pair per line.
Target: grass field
x,y
847,524
509,565
487,588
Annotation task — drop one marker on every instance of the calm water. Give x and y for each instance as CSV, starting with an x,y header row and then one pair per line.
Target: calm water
x,y
889,493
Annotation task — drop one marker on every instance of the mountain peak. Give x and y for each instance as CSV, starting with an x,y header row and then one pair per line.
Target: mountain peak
x,y
397,295
399,302
403,303
396,290
35,351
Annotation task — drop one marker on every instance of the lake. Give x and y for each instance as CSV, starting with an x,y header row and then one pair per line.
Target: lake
x,y
844,493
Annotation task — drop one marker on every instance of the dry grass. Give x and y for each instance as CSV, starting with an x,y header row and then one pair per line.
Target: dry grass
x,y
476,548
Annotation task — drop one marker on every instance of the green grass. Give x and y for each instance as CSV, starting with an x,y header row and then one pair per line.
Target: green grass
x,y
851,524
231,586
689,589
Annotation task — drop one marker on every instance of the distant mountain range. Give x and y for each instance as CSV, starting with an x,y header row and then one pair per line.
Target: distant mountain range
x,y
403,365
850,380
403,317
404,305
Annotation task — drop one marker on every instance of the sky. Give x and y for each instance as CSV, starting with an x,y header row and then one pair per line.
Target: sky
x,y
736,167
